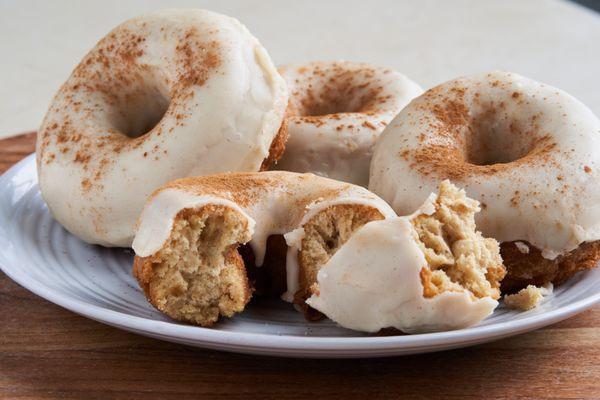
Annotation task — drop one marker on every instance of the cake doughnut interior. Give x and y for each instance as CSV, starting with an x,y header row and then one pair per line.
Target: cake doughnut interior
x,y
199,274
458,256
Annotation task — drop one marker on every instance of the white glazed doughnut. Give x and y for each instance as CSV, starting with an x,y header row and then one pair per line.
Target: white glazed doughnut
x,y
165,95
216,214
530,153
337,111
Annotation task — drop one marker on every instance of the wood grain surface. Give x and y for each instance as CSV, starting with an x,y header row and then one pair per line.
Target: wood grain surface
x,y
47,352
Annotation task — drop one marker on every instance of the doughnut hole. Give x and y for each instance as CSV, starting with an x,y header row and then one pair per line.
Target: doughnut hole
x,y
269,279
338,91
141,106
495,138
479,138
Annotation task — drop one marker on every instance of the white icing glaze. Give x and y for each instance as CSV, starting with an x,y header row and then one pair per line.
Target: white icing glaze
x,y
547,289
373,282
224,103
355,102
292,268
522,247
550,198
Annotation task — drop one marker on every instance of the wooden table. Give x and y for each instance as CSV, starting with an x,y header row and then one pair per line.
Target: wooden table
x,y
48,352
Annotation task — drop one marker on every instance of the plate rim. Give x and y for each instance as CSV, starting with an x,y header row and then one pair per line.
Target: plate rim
x,y
281,342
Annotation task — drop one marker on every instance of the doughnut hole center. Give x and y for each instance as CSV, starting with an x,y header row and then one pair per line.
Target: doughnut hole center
x,y
141,108
493,142
336,98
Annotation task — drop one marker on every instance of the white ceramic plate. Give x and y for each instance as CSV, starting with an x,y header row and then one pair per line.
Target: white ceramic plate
x,y
96,282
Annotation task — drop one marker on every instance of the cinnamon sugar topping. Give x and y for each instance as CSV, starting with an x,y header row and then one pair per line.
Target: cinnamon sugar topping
x,y
332,88
116,70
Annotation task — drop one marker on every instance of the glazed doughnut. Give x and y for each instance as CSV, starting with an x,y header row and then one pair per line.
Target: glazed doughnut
x,y
430,271
165,95
336,112
186,244
528,152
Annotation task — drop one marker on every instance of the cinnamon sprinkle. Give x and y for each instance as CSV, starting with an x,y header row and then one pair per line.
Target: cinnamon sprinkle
x,y
117,71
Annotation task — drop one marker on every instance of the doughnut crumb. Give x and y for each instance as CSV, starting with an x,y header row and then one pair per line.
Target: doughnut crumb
x,y
458,256
528,298
199,275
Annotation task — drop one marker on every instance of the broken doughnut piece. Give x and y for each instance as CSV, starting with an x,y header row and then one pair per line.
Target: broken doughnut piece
x,y
430,271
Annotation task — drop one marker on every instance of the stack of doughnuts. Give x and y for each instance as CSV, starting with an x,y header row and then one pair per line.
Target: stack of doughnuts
x,y
163,137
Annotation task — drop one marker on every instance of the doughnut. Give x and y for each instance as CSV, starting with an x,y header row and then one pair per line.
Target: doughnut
x,y
528,152
336,112
190,233
165,95
430,271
